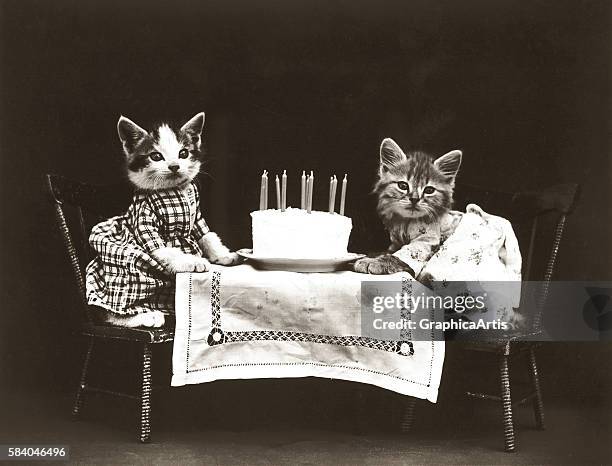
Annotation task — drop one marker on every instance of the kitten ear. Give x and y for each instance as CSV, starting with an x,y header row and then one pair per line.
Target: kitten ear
x,y
194,126
129,133
449,164
390,154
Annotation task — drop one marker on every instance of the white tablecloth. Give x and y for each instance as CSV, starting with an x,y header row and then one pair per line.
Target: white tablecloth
x,y
242,323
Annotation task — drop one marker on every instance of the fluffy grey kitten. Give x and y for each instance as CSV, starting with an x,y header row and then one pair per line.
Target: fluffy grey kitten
x,y
415,195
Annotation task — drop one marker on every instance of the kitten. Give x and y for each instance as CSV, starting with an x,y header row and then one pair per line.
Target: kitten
x,y
163,225
415,194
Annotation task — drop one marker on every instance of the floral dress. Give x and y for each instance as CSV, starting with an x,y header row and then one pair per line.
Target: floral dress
x,y
415,242
124,275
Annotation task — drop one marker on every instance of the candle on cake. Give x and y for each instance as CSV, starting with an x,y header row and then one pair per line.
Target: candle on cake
x,y
310,192
332,201
303,191
329,202
284,191
332,194
307,192
263,191
266,193
278,193
343,195
309,187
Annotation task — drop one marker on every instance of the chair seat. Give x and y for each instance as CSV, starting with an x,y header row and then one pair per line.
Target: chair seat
x,y
501,346
502,343
146,335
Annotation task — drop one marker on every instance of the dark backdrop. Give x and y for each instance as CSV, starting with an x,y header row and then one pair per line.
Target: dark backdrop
x,y
523,88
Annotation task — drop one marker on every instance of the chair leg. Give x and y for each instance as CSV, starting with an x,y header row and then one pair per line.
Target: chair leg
x,y
145,397
78,399
538,405
408,414
506,405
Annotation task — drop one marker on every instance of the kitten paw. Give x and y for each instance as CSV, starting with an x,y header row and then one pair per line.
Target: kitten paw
x,y
196,264
230,259
175,261
145,318
188,263
381,265
367,265
201,265
152,319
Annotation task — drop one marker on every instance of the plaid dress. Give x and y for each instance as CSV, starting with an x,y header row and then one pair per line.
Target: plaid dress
x,y
124,274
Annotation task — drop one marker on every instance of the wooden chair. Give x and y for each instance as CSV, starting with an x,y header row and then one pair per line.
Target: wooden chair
x,y
78,206
538,218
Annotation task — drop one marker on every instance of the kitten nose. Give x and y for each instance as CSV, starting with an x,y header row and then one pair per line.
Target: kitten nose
x,y
414,200
174,167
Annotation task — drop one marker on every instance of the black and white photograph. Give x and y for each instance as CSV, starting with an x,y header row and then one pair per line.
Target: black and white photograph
x,y
306,232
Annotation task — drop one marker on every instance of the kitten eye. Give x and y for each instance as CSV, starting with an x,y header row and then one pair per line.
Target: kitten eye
x,y
183,154
429,190
156,156
402,185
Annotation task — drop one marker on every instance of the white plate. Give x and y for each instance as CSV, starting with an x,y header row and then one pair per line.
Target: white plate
x,y
300,265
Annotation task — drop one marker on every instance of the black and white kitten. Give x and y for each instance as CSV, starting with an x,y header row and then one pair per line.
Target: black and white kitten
x,y
163,159
167,159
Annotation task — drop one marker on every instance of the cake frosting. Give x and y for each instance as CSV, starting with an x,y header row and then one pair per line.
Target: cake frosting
x,y
297,234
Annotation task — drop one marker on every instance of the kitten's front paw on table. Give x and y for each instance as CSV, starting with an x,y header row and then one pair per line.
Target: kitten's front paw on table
x,y
231,259
382,265
188,263
368,265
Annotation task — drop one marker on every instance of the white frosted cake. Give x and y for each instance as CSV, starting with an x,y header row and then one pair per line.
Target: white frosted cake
x,y
297,234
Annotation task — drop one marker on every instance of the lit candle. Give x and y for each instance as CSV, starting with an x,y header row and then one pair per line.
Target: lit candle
x,y
284,191
278,193
262,191
303,191
343,195
333,194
